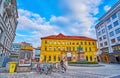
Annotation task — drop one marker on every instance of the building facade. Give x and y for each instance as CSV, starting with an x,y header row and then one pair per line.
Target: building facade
x,y
108,35
8,25
60,47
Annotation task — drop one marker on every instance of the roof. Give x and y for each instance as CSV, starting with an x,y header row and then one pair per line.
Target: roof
x,y
60,36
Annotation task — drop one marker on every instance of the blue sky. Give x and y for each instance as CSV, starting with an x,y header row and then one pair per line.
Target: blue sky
x,y
41,18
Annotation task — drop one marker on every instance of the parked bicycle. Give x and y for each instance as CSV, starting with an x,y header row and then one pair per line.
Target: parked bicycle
x,y
44,68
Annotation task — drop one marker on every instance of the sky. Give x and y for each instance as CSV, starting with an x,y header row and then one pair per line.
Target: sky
x,y
40,18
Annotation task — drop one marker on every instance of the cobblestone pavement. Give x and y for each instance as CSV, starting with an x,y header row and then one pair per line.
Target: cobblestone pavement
x,y
106,71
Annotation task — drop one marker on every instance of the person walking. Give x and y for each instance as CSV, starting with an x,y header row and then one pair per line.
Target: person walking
x,y
63,68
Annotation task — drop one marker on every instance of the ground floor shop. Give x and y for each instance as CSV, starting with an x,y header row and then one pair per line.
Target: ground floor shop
x,y
110,57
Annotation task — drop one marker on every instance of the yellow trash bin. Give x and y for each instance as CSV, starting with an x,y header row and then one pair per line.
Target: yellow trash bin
x,y
12,67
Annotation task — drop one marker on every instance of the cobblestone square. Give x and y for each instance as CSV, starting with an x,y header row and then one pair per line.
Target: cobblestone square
x,y
105,71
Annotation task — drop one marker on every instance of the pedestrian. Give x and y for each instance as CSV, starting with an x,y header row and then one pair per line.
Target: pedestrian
x,y
63,68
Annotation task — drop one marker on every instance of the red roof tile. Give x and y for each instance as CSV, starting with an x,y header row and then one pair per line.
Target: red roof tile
x,y
63,37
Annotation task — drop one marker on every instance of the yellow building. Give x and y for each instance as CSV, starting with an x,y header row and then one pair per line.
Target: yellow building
x,y
60,47
26,46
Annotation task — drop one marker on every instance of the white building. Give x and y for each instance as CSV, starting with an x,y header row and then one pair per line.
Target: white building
x,y
108,35
8,25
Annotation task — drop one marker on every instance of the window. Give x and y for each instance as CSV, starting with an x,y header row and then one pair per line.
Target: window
x,y
99,33
100,39
93,43
49,58
45,42
58,58
87,58
104,37
0,32
89,43
105,43
90,58
50,48
45,48
81,43
73,43
101,44
108,20
45,58
114,16
0,2
112,40
54,48
85,43
89,48
115,23
103,31
58,42
111,34
54,58
67,49
58,48
63,48
86,49
73,48
54,42
117,31
110,27
118,38
77,43
50,42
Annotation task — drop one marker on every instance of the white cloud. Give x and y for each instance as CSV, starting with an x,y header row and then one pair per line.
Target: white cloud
x,y
80,20
21,35
107,7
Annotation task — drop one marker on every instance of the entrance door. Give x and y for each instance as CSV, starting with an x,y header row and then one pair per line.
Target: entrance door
x,y
117,59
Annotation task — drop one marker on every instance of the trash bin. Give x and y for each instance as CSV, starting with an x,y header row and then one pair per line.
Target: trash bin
x,y
12,67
